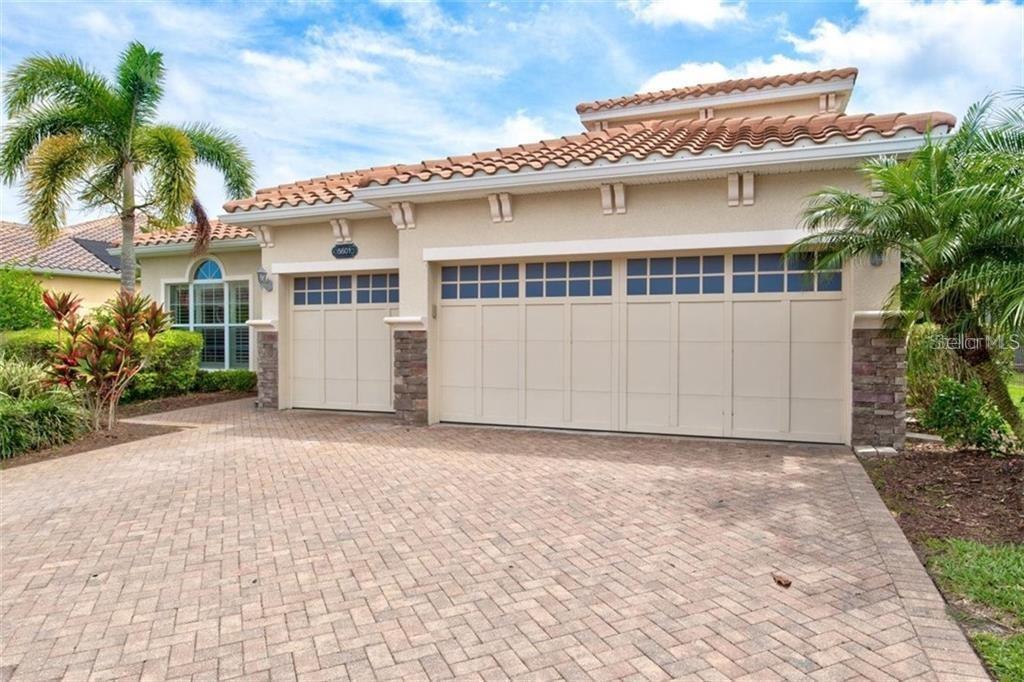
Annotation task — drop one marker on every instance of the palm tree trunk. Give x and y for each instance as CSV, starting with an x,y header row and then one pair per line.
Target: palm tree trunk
x,y
128,227
980,360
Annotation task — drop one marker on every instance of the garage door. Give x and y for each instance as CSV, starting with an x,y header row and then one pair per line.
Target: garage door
x,y
340,346
745,345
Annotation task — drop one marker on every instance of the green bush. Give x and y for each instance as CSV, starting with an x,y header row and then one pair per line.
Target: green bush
x,y
29,345
239,380
20,379
964,416
21,300
50,418
929,361
171,368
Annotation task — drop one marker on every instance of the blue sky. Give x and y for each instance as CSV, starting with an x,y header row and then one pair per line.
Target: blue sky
x,y
314,88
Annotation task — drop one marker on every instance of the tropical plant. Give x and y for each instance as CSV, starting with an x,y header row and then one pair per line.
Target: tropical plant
x,y
21,300
954,210
963,415
74,134
97,360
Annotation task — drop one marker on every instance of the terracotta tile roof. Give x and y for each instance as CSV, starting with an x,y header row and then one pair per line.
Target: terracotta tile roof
x,y
81,247
187,233
719,88
638,141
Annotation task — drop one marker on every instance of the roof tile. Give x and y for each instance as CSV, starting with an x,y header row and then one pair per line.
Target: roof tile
x,y
187,233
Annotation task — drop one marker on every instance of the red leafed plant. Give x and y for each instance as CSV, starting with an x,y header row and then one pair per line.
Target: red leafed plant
x,y
98,358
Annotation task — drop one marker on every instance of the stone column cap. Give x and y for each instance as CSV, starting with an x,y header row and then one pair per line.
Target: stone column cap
x,y
406,323
872,319
263,325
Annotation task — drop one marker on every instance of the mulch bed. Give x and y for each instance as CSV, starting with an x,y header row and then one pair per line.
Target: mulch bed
x,y
936,491
179,402
125,432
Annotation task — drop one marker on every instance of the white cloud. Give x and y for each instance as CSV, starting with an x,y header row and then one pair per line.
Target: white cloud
x,y
522,128
705,14
425,17
912,56
102,25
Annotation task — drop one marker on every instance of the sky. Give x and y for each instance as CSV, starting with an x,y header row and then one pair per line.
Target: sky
x,y
313,88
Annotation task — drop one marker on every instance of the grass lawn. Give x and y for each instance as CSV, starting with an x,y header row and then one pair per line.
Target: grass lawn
x,y
986,583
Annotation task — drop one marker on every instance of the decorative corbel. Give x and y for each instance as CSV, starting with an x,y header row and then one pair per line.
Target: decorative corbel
x,y
265,234
827,103
748,189
607,206
501,207
506,206
619,195
613,198
734,189
340,228
402,215
706,113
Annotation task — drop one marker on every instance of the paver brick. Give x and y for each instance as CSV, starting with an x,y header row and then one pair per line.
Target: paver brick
x,y
321,546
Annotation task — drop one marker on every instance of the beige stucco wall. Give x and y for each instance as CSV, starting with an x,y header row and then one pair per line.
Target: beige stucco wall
x,y
94,291
693,207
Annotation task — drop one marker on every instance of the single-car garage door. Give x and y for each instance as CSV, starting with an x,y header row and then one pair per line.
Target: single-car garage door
x,y
745,345
340,346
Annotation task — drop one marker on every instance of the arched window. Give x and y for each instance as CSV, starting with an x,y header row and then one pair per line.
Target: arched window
x,y
208,269
217,308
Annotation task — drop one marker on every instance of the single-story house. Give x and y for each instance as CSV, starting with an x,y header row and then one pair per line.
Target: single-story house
x,y
626,278
78,260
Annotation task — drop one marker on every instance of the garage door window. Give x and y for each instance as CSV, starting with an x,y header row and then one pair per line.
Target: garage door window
x,y
775,273
569,278
216,309
480,281
338,289
682,275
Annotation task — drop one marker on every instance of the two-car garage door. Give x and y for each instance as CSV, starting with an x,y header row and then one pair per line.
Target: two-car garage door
x,y
746,345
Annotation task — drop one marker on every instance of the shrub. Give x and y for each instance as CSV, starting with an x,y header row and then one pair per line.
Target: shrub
x,y
172,367
964,416
21,300
49,418
19,379
929,361
239,380
29,345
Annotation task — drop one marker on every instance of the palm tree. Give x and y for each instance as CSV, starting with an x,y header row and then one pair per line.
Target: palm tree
x,y
955,211
73,134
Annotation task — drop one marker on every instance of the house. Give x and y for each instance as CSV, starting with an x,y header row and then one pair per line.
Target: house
x,y
78,260
626,278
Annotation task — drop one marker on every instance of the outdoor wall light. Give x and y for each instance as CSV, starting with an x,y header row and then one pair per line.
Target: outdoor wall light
x,y
263,278
877,258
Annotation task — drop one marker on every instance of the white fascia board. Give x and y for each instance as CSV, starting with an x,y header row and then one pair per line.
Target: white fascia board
x,y
353,208
764,95
346,265
65,272
216,246
677,166
674,242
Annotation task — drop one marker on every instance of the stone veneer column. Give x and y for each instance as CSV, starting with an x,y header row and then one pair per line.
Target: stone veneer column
x,y
879,383
266,369
411,376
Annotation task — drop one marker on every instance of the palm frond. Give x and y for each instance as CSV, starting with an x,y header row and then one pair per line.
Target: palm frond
x,y
57,165
167,154
40,79
31,127
223,152
140,77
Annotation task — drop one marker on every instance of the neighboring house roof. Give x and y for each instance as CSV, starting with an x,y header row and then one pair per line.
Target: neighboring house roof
x,y
718,88
187,233
638,141
80,248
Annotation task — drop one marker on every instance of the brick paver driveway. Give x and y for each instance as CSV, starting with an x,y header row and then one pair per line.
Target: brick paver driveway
x,y
323,546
